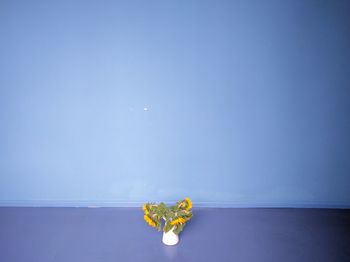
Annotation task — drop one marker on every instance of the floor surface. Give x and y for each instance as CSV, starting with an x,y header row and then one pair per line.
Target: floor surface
x,y
120,234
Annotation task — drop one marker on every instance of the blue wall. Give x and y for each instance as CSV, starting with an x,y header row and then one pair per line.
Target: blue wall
x,y
233,103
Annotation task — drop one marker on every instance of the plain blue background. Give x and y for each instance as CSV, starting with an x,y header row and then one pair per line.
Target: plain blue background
x,y
232,103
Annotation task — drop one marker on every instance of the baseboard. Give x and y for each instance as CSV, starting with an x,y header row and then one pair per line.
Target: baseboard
x,y
205,204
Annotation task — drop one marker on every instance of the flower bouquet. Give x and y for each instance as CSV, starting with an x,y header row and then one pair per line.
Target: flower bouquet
x,y
175,218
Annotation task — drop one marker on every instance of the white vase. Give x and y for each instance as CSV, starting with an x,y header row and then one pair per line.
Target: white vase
x,y
170,238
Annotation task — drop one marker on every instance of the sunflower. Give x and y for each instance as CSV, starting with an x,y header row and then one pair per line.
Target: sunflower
x,y
149,221
177,221
145,209
189,203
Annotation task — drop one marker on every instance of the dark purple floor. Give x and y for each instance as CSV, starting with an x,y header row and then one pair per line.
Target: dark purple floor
x,y
120,234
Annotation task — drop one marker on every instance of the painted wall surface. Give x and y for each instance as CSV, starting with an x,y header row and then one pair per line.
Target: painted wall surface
x,y
232,103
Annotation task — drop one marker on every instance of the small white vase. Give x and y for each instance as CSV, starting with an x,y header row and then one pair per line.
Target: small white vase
x,y
170,238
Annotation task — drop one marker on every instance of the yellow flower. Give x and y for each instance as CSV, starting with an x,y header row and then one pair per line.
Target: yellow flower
x,y
149,221
189,203
144,207
179,220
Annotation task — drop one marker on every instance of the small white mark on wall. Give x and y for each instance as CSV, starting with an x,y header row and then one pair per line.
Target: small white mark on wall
x,y
145,109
